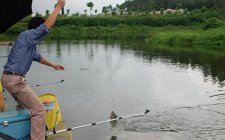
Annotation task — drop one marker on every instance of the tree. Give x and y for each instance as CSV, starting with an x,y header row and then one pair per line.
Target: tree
x,y
37,14
63,11
219,3
121,8
67,12
154,11
162,11
96,11
203,9
85,11
76,14
90,5
105,10
47,12
179,6
150,6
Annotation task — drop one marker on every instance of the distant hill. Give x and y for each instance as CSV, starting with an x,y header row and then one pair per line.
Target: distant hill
x,y
149,5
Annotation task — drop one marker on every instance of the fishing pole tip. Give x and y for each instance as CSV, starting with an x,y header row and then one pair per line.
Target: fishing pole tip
x,y
147,111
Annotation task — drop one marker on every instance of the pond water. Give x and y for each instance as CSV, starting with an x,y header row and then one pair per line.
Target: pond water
x,y
183,88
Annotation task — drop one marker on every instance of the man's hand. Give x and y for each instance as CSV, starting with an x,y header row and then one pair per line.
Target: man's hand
x,y
61,3
48,63
58,67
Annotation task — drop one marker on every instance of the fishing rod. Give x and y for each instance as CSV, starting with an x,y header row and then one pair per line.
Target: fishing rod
x,y
3,56
45,84
100,122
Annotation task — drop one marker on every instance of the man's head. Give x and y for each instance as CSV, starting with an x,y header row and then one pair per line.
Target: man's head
x,y
35,22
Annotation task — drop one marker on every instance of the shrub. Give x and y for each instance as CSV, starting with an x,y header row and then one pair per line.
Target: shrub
x,y
213,23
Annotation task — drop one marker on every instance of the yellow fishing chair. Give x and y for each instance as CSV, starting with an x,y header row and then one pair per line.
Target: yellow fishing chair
x,y
2,102
54,117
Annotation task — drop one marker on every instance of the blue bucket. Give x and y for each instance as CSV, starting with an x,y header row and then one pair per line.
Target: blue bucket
x,y
15,124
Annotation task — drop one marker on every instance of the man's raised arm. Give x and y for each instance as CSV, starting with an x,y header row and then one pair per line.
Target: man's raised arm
x,y
50,21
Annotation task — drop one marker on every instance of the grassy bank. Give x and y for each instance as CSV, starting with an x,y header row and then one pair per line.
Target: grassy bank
x,y
188,37
120,32
194,29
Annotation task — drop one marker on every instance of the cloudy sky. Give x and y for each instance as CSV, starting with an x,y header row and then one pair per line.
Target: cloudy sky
x,y
41,6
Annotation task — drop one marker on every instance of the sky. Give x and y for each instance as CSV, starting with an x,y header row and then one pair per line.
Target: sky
x,y
41,6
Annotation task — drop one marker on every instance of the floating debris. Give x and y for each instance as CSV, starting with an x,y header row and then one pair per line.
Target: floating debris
x,y
84,69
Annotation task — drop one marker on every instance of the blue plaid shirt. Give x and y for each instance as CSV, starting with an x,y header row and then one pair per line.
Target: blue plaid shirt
x,y
24,52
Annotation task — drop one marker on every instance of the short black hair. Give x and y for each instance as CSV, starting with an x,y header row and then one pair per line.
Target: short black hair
x,y
35,22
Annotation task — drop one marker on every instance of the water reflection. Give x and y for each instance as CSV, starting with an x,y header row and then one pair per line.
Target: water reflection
x,y
58,49
113,138
209,61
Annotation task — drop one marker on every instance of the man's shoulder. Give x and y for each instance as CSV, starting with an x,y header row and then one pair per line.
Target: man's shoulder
x,y
22,39
40,30
26,34
23,33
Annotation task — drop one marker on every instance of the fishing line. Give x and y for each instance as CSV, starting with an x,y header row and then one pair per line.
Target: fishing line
x,y
100,122
45,84
38,85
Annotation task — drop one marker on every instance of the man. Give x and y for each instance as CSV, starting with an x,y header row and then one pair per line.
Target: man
x,y
19,61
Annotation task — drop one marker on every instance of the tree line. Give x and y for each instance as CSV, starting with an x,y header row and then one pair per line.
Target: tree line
x,y
149,5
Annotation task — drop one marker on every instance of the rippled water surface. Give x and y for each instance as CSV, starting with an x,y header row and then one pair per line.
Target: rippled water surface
x,y
183,88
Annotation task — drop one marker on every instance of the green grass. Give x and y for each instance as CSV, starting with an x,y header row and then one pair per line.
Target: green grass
x,y
179,30
188,37
119,32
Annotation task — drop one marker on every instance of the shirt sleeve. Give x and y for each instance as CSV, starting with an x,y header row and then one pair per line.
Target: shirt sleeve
x,y
37,56
35,36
